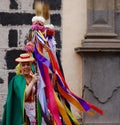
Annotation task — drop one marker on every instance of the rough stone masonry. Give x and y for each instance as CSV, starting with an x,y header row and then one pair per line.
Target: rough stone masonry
x,y
15,22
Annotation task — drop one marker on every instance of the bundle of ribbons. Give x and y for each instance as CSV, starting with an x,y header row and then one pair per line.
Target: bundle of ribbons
x,y
52,89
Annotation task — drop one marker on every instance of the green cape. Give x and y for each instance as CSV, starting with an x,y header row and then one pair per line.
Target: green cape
x,y
14,106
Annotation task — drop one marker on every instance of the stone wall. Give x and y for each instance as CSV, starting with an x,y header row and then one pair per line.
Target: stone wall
x,y
15,22
101,61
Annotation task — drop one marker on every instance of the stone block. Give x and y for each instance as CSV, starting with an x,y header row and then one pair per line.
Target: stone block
x,y
27,5
15,18
58,39
2,59
54,5
4,85
2,102
10,75
13,4
4,5
10,57
22,35
13,38
4,37
55,19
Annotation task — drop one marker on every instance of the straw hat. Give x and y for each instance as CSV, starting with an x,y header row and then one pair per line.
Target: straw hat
x,y
25,57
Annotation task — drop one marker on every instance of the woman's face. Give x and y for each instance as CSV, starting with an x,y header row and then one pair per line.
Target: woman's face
x,y
25,68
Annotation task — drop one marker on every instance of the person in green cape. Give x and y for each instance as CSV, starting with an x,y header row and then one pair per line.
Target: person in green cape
x,y
20,100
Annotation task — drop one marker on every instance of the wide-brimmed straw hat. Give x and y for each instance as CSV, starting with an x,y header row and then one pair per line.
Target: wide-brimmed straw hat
x,y
25,57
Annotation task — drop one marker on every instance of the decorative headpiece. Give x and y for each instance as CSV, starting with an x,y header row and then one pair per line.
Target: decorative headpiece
x,y
37,19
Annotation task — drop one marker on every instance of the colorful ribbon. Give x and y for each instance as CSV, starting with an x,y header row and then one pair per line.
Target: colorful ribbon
x,y
54,104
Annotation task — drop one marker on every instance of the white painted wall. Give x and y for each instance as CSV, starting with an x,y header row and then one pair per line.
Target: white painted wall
x,y
73,30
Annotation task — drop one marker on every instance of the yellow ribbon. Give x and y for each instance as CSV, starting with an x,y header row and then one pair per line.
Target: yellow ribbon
x,y
71,116
41,34
62,111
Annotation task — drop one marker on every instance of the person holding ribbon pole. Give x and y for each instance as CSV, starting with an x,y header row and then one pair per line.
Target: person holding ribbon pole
x,y
20,104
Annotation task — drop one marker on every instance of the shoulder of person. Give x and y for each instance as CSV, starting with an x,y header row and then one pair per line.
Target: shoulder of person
x,y
19,82
19,78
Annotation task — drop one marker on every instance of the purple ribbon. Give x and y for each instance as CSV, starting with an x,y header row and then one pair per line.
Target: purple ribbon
x,y
82,102
41,59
